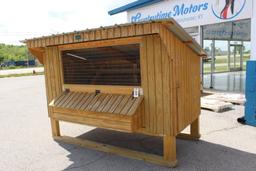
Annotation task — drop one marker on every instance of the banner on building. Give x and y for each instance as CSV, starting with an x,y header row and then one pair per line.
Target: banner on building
x,y
237,30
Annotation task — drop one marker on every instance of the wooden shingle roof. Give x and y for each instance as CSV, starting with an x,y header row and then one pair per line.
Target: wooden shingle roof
x,y
117,31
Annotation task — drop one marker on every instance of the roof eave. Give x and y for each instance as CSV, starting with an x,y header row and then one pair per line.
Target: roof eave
x,y
133,5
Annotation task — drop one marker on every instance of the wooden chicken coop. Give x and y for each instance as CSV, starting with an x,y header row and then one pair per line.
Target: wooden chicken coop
x,y
137,78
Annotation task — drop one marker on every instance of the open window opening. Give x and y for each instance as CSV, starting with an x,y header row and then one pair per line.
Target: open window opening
x,y
111,65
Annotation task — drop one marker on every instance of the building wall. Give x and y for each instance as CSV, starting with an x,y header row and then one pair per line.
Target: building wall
x,y
253,33
191,13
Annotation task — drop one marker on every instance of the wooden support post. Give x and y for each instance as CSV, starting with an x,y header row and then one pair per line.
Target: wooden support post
x,y
55,127
169,149
194,129
194,132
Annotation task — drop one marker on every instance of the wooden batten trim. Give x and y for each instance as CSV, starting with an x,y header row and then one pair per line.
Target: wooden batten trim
x,y
101,43
188,42
102,88
184,37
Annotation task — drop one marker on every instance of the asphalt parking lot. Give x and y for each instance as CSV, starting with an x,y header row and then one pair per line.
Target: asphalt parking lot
x,y
21,71
26,143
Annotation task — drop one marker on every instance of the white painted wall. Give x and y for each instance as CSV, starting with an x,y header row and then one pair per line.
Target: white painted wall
x,y
253,32
189,13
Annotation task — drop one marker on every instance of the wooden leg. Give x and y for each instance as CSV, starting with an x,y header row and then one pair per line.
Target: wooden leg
x,y
55,127
169,150
194,132
194,129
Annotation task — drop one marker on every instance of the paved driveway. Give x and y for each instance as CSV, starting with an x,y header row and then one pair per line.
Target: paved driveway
x,y
21,71
26,143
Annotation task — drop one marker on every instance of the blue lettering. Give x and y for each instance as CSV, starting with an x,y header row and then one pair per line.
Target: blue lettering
x,y
206,6
178,10
200,6
182,9
191,7
164,15
195,8
136,18
170,14
186,10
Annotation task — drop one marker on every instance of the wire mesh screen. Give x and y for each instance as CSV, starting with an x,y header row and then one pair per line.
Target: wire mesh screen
x,y
111,65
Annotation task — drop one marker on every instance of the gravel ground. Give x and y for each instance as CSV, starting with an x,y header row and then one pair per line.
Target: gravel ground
x,y
26,142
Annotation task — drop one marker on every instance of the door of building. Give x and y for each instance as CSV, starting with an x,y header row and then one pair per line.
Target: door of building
x,y
236,57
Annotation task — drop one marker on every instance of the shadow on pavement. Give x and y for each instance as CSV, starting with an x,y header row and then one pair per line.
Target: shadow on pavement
x,y
191,155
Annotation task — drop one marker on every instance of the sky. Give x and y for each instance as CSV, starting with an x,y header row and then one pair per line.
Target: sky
x,y
24,19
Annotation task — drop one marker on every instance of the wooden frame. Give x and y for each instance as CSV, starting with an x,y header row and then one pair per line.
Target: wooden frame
x,y
169,146
169,158
104,43
102,88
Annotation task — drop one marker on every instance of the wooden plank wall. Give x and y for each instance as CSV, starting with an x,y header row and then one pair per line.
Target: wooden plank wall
x,y
53,79
189,85
170,73
156,73
185,65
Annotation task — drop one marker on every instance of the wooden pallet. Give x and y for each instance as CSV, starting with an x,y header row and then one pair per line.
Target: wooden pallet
x,y
215,105
228,97
110,111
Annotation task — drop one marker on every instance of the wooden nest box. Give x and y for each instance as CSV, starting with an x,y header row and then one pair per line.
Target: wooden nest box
x,y
137,78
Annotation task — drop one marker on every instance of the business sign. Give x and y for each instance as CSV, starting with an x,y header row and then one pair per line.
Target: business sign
x,y
191,13
237,30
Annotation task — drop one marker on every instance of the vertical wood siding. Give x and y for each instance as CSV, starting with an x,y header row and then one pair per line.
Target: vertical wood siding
x,y
156,76
53,80
170,73
185,90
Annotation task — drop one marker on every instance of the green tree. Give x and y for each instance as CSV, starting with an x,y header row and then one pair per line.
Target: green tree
x,y
1,59
13,52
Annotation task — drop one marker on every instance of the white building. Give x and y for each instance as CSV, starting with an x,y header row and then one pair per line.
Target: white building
x,y
223,27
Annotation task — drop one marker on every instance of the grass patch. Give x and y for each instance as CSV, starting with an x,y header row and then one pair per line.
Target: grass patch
x,y
217,69
21,75
223,61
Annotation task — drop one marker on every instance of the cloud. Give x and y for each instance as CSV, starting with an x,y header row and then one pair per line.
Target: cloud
x,y
31,18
